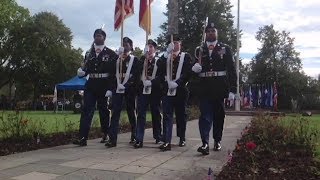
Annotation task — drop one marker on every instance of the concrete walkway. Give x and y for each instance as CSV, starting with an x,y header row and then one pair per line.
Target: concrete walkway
x,y
96,162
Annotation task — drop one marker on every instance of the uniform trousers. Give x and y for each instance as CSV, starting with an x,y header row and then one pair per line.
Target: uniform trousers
x,y
90,100
117,101
170,105
212,115
144,100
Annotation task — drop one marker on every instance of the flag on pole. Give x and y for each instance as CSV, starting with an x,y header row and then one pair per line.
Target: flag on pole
x,y
250,97
55,95
145,15
120,14
259,97
266,96
275,97
271,96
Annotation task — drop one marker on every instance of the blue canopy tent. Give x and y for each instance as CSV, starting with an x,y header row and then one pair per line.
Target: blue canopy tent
x,y
74,83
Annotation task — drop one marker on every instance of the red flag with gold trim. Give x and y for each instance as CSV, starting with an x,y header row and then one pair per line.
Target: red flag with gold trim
x,y
121,13
145,15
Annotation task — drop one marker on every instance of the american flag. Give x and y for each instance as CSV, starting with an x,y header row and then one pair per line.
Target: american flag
x,y
122,13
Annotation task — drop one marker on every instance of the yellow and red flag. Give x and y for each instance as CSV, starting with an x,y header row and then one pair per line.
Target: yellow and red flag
x,y
145,15
121,13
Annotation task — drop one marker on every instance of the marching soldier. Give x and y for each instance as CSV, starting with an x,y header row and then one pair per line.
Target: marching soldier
x,y
127,77
149,93
98,65
217,77
176,67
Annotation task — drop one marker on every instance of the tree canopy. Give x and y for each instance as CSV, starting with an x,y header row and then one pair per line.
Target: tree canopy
x,y
192,15
278,61
36,51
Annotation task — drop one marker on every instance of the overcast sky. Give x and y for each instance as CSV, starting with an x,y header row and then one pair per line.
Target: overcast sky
x,y
299,17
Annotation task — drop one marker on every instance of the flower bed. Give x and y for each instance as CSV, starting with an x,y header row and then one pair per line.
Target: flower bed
x,y
272,149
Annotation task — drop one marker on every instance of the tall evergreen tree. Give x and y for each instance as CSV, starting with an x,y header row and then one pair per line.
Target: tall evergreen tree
x,y
192,14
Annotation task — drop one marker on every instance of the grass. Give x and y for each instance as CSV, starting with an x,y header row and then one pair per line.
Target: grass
x,y
313,123
61,121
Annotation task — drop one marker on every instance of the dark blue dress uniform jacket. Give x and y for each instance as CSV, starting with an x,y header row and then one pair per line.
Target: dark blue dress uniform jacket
x,y
217,87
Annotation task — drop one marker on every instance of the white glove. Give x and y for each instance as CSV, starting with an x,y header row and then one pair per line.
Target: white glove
x,y
80,72
108,94
121,87
197,68
146,49
120,51
231,96
146,83
170,48
172,85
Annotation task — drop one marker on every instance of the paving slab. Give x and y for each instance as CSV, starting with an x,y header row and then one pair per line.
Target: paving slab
x,y
36,175
96,162
92,174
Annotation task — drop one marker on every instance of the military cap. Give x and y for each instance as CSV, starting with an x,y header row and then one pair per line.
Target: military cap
x,y
175,38
128,40
154,44
210,25
99,31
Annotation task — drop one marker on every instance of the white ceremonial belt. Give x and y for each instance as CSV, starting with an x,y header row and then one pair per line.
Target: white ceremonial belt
x,y
124,74
213,73
149,77
98,75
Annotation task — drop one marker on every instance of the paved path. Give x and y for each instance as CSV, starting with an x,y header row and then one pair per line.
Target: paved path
x,y
95,162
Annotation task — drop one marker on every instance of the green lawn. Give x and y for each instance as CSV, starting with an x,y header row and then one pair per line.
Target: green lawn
x,y
58,122
313,123
314,120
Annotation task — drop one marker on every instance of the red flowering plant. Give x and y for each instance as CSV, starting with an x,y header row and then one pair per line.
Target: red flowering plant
x,y
251,146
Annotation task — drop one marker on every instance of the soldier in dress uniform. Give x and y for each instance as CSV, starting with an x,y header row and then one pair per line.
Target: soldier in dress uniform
x,y
98,65
127,77
149,94
176,67
217,79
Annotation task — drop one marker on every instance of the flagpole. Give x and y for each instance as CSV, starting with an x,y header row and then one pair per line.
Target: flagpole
x,y
237,105
122,22
121,45
148,20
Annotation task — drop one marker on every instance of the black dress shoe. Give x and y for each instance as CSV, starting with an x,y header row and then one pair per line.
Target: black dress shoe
x,y
110,144
132,141
138,145
182,143
104,139
204,149
158,141
217,146
165,147
161,146
80,142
